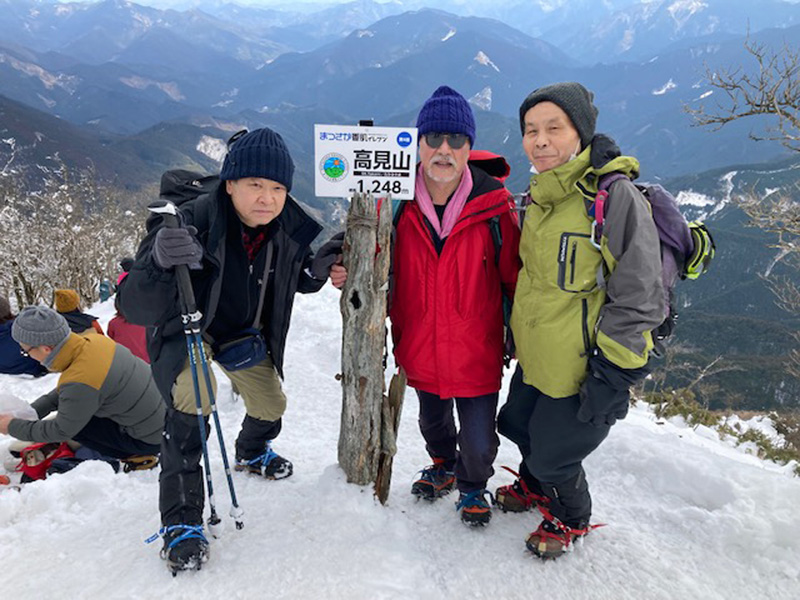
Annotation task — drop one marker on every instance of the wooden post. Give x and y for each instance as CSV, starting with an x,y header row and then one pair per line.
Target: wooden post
x,y
369,419
390,413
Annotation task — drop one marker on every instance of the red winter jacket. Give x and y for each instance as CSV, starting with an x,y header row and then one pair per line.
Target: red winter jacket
x,y
133,337
447,310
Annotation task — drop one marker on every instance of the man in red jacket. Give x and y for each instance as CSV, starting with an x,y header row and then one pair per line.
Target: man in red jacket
x,y
449,277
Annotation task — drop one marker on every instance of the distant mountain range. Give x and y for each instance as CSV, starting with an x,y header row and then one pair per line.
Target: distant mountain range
x,y
122,68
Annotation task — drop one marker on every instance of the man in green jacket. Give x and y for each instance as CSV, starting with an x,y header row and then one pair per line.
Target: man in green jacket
x,y
105,399
583,311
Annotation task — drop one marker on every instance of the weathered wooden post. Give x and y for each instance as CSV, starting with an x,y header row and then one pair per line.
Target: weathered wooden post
x,y
369,419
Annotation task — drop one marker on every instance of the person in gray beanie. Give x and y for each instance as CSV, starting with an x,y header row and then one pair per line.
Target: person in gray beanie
x,y
105,399
247,243
39,326
584,310
571,97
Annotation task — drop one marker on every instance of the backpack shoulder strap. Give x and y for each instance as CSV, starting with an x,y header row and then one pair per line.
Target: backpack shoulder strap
x,y
497,237
599,207
397,210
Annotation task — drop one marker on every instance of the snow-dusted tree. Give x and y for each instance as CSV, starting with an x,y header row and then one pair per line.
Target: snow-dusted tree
x,y
69,233
769,94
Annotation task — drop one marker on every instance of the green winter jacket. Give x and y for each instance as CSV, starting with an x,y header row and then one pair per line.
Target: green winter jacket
x,y
572,297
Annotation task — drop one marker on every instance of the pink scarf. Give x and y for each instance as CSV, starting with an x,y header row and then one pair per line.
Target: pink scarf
x,y
454,207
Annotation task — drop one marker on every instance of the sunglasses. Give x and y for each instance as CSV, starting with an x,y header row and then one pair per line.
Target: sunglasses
x,y
454,140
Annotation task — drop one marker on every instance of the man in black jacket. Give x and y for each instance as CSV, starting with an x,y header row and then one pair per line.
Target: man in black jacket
x,y
247,246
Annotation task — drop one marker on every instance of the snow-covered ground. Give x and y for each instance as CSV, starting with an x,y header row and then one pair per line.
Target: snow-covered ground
x,y
687,516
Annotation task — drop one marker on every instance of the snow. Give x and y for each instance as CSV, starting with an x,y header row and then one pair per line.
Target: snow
x,y
687,515
727,188
212,147
450,34
706,94
48,102
682,10
48,80
670,85
361,33
628,38
485,60
170,88
483,99
691,198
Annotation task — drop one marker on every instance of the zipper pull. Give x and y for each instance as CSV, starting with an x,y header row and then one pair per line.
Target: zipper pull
x,y
251,268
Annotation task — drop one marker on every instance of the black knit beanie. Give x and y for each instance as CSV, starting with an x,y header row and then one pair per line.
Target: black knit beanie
x,y
259,153
573,99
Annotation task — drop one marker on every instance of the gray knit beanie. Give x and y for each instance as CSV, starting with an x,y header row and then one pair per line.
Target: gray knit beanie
x,y
39,326
573,99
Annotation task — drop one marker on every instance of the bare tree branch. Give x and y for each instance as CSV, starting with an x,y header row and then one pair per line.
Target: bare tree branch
x,y
773,89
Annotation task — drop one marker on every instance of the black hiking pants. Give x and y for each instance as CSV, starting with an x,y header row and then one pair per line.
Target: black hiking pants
x,y
473,448
106,437
553,444
181,494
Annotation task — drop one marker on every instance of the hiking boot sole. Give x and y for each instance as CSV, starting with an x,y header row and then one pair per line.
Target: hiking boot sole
x,y
429,494
514,508
194,563
257,471
544,555
473,521
553,552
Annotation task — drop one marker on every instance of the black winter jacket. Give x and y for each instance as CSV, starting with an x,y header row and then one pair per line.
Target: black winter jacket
x,y
149,294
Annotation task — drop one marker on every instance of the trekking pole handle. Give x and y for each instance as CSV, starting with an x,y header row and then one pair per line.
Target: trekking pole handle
x,y
169,212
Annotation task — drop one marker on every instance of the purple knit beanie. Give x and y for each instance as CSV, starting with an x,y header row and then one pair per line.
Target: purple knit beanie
x,y
446,111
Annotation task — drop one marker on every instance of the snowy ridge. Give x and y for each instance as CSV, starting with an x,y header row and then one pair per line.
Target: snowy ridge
x,y
450,34
485,60
670,85
214,148
483,99
727,186
691,198
688,516
140,83
49,80
683,10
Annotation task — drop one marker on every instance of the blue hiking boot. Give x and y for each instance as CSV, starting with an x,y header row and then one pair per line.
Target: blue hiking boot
x,y
269,464
475,510
185,547
434,481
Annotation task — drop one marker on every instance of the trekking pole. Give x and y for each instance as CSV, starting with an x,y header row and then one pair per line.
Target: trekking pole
x,y
192,319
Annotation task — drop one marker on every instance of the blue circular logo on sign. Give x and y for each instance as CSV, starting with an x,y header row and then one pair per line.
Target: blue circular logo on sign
x,y
404,139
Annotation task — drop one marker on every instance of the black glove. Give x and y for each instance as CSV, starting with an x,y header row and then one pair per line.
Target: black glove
x,y
600,403
175,246
326,257
605,394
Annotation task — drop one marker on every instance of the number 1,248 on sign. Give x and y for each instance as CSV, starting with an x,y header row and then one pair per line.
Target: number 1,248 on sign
x,y
379,187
